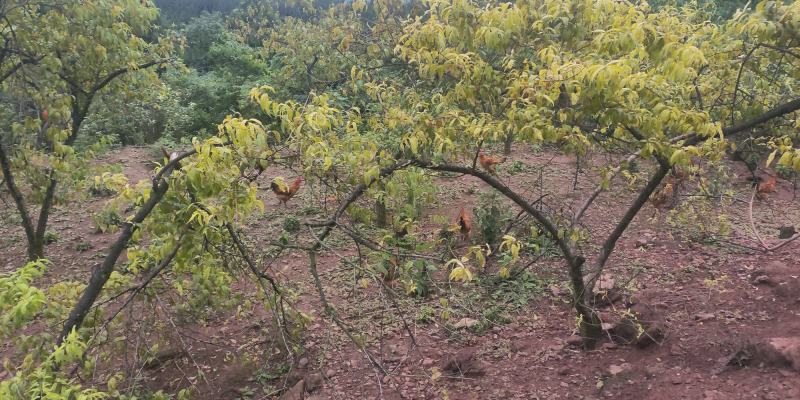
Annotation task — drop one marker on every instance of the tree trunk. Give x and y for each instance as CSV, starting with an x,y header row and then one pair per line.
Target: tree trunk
x,y
611,242
36,248
102,272
34,252
381,216
507,144
590,327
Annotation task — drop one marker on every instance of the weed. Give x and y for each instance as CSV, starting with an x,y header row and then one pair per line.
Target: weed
x,y
516,292
83,246
425,315
491,217
50,237
107,184
107,220
517,167
419,277
291,224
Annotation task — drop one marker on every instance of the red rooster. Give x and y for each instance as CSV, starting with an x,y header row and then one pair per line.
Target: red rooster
x,y
488,162
285,193
767,186
660,197
464,224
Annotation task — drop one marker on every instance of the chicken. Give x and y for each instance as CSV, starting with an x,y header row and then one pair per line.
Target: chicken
x,y
464,224
283,192
767,186
488,162
662,196
170,156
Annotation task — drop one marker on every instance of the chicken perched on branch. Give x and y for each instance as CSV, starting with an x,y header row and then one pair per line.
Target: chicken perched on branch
x,y
488,162
283,192
170,156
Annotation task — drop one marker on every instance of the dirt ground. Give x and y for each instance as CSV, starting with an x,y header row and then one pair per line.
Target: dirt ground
x,y
712,300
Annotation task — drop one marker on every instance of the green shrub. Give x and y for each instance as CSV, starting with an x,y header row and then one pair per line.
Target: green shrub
x,y
491,217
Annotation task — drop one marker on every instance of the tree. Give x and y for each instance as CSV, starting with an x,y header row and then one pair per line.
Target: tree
x,y
73,54
575,74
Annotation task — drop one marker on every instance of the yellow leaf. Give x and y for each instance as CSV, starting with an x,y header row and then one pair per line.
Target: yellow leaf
x,y
771,157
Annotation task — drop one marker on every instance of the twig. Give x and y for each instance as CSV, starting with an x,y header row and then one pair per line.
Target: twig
x,y
764,245
183,344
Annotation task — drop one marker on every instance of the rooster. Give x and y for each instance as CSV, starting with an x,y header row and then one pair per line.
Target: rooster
x,y
660,197
283,192
488,162
464,224
170,156
766,186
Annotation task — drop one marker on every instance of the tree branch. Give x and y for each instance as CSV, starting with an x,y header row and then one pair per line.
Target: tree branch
x,y
102,272
16,195
115,74
611,242
777,111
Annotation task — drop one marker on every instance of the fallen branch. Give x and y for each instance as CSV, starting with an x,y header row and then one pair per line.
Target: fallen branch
x,y
765,247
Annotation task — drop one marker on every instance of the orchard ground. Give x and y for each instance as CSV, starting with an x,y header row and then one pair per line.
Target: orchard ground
x,y
713,297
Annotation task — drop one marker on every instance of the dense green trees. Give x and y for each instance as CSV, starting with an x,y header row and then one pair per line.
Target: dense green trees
x,y
181,11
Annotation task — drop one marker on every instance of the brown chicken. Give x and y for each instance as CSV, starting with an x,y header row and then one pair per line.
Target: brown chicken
x,y
767,186
464,224
488,162
662,196
170,156
284,193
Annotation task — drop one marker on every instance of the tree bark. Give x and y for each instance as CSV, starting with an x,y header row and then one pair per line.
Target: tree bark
x,y
509,140
27,224
381,218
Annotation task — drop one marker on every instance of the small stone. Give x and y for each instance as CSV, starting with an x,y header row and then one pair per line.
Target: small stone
x,y
575,340
428,362
302,363
786,232
763,280
464,363
609,346
606,282
565,371
330,373
465,323
614,370
295,393
556,290
313,382
703,317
